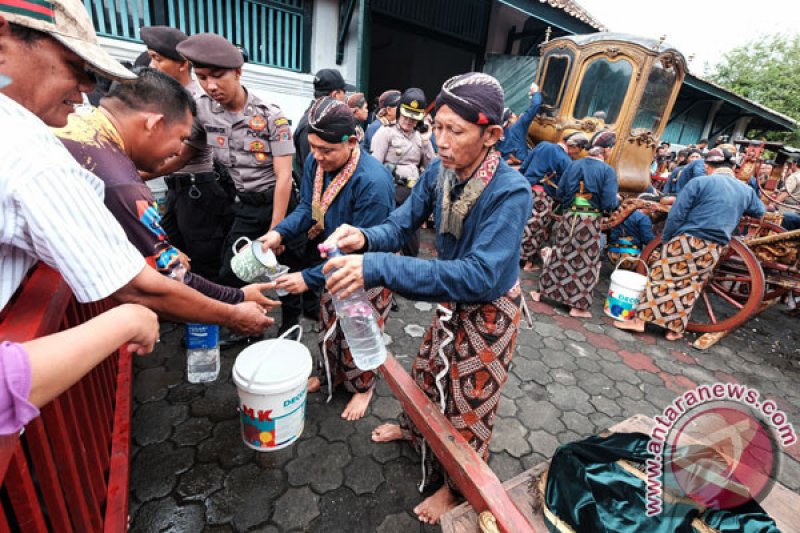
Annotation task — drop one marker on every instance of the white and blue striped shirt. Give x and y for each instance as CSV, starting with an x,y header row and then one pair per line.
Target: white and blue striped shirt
x,y
51,210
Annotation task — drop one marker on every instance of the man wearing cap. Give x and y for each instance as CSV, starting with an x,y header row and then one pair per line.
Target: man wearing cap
x,y
198,213
586,191
698,228
253,140
514,145
327,82
405,149
681,175
386,115
480,205
543,167
342,184
137,126
51,208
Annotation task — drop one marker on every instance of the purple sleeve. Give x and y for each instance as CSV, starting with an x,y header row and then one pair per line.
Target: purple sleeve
x,y
228,295
15,386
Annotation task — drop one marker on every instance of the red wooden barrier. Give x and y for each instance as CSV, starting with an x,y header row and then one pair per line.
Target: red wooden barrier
x,y
471,474
69,470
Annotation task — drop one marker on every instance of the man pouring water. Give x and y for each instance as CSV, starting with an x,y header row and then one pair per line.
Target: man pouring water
x,y
480,206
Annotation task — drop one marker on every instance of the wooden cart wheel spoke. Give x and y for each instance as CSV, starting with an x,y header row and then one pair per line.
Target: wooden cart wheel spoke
x,y
723,294
709,310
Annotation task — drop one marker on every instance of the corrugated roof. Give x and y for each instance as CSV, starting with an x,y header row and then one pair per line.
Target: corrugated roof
x,y
573,9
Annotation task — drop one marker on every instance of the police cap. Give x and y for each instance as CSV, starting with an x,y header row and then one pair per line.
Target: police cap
x,y
212,51
413,103
164,40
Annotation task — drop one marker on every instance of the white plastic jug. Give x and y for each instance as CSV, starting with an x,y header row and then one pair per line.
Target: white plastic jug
x,y
272,377
625,291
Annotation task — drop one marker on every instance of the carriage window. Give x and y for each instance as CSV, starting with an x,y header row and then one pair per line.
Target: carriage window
x,y
554,77
603,88
656,95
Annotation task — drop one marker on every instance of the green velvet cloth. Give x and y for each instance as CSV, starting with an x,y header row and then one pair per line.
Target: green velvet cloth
x,y
590,491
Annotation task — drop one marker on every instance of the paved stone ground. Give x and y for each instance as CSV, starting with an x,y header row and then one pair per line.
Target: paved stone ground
x,y
570,379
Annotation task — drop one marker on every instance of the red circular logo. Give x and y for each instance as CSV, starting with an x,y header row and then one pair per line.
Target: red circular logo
x,y
721,457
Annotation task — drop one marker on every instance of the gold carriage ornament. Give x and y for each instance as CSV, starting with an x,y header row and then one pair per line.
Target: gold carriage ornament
x,y
607,80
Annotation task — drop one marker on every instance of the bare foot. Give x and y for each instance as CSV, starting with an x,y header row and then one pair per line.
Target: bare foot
x,y
530,267
673,336
630,325
313,384
578,313
357,405
434,506
536,296
387,433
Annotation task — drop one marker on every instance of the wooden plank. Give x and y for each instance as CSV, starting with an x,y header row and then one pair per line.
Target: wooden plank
x,y
471,474
781,503
22,494
116,517
47,474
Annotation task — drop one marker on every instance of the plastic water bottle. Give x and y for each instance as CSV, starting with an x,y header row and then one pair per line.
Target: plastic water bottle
x,y
202,352
359,324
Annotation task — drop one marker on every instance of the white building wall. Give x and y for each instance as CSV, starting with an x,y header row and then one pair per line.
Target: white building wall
x,y
292,91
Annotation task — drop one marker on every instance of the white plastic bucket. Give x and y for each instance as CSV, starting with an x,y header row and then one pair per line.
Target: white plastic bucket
x,y
272,376
624,292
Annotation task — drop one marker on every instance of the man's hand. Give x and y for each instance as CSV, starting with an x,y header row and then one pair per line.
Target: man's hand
x,y
347,238
272,241
249,318
292,283
144,324
185,260
255,293
349,275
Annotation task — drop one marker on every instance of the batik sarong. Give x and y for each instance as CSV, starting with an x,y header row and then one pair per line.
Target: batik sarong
x,y
462,366
574,268
537,230
336,362
677,277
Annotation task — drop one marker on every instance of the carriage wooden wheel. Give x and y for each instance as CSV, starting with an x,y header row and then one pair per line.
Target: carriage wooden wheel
x,y
733,293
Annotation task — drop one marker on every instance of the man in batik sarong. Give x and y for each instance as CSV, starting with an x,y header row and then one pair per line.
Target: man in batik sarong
x,y
479,205
698,229
587,191
341,184
543,167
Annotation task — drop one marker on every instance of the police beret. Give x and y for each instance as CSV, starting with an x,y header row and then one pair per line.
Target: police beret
x,y
211,50
163,39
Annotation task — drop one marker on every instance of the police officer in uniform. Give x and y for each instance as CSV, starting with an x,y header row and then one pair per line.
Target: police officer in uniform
x,y
198,210
405,149
253,140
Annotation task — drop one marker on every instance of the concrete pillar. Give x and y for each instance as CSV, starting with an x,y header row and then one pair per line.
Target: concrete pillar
x,y
712,113
740,128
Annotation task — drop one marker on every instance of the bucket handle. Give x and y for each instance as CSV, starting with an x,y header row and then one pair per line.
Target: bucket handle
x,y
235,246
629,258
297,327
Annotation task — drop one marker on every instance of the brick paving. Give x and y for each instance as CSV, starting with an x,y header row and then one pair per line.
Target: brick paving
x,y
570,379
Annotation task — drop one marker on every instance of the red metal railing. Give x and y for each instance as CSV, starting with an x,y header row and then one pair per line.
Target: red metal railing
x,y
69,470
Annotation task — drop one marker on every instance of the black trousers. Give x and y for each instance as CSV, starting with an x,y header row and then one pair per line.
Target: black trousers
x,y
410,247
252,216
197,218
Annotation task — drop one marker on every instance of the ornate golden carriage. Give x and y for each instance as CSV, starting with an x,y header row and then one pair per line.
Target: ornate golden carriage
x,y
621,82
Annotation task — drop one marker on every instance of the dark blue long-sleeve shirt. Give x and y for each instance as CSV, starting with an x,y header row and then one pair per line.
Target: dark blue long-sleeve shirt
x,y
366,199
638,227
370,133
598,178
546,158
693,170
515,137
710,207
481,266
671,186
